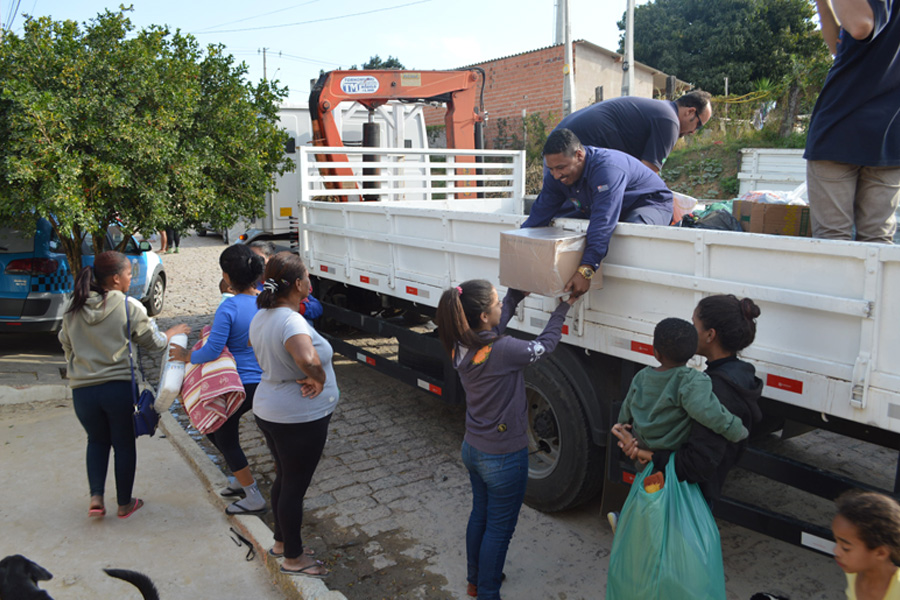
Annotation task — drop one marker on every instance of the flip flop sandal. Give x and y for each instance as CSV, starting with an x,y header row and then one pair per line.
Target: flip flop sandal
x,y
236,508
97,511
230,492
307,551
304,572
136,504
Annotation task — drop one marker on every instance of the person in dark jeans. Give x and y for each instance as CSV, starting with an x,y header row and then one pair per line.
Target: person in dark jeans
x,y
171,241
241,268
491,366
93,337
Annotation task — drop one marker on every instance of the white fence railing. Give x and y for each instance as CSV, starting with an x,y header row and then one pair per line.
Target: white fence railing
x,y
360,174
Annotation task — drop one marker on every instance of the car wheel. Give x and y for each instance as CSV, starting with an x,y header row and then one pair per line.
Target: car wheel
x,y
154,300
201,232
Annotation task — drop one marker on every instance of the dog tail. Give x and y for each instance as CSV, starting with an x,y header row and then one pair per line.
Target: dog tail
x,y
138,580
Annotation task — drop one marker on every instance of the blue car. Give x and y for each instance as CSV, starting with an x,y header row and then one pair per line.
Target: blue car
x,y
36,281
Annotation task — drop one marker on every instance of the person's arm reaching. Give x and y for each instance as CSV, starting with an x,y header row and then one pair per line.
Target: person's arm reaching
x,y
510,302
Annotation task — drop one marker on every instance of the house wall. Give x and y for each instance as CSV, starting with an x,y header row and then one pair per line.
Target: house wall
x,y
594,68
533,81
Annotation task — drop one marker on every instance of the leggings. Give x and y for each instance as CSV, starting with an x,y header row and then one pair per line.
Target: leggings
x,y
227,437
296,448
173,238
105,412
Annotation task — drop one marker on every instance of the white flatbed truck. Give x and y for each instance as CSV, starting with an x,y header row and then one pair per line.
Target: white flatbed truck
x,y
827,345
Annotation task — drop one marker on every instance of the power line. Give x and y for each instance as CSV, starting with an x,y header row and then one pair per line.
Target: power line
x,y
368,12
258,16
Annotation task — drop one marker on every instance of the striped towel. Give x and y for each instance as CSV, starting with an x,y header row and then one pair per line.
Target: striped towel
x,y
212,391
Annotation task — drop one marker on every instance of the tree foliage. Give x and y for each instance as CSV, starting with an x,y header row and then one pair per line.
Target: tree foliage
x,y
376,62
745,40
103,123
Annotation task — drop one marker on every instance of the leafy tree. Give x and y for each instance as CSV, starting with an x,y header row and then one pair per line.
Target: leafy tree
x,y
102,123
375,62
745,40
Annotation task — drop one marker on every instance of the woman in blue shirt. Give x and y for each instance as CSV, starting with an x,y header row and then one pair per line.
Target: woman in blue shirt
x,y
241,268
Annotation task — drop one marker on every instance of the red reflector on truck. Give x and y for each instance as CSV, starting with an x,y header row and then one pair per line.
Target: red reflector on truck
x,y
412,290
565,329
642,348
363,279
429,387
783,383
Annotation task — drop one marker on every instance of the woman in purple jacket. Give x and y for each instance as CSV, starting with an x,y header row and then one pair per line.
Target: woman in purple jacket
x,y
491,368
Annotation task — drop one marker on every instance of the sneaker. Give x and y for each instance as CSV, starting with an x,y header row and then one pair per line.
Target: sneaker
x,y
169,251
176,250
613,519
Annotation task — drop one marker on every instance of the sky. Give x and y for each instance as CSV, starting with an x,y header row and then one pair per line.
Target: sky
x,y
303,36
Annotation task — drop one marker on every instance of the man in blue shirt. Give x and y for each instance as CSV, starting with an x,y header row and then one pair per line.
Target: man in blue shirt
x,y
646,129
604,186
853,145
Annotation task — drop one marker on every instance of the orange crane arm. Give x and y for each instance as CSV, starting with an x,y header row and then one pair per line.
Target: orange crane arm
x,y
373,88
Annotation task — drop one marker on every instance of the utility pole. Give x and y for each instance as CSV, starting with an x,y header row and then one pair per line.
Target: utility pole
x,y
264,63
568,75
628,59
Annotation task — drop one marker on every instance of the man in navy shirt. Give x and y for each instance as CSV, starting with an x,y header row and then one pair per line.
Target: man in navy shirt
x,y
604,186
644,128
853,145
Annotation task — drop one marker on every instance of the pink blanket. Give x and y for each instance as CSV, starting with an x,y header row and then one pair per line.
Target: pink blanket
x,y
212,391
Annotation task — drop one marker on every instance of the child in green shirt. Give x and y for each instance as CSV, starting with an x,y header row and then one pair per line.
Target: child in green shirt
x,y
662,401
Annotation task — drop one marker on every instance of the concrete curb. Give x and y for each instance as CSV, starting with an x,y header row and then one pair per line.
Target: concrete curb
x,y
11,394
253,528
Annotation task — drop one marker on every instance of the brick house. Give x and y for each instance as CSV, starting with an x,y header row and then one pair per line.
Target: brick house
x,y
532,81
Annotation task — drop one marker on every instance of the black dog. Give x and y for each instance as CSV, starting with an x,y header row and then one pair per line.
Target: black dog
x,y
19,577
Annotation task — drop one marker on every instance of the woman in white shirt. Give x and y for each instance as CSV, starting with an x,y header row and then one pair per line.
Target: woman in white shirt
x,y
293,403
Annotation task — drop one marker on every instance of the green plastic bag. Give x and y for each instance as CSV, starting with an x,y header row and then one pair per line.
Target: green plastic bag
x,y
666,545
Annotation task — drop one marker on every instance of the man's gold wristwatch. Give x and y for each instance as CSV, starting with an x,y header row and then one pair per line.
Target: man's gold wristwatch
x,y
586,271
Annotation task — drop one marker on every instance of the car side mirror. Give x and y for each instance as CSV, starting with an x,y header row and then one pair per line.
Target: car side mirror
x,y
145,246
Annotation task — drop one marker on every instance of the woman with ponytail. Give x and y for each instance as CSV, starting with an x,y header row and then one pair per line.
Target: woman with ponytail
x,y
293,403
241,268
94,336
471,321
725,325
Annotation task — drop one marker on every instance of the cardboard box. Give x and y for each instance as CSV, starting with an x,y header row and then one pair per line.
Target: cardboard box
x,y
541,259
775,219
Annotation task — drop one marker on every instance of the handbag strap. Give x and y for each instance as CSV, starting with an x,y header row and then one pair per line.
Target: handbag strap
x,y
134,395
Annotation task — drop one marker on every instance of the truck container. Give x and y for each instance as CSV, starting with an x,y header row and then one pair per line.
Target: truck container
x,y
827,346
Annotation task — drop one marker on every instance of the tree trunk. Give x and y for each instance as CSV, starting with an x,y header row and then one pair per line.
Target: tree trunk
x,y
790,111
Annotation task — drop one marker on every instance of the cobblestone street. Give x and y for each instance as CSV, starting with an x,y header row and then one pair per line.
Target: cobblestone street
x,y
388,506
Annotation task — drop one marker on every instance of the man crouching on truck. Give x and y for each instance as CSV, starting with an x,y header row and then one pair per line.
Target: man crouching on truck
x,y
604,186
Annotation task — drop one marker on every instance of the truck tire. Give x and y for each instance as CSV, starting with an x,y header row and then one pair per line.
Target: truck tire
x,y
565,467
156,296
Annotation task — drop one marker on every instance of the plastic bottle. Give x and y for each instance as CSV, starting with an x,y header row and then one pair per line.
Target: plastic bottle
x,y
171,375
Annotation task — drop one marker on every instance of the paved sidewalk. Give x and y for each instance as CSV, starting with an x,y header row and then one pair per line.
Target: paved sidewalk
x,y
181,538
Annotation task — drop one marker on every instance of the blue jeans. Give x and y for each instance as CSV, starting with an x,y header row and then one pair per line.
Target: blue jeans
x,y
498,489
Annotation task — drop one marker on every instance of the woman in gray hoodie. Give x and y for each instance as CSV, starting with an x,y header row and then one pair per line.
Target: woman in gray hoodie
x,y
94,336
